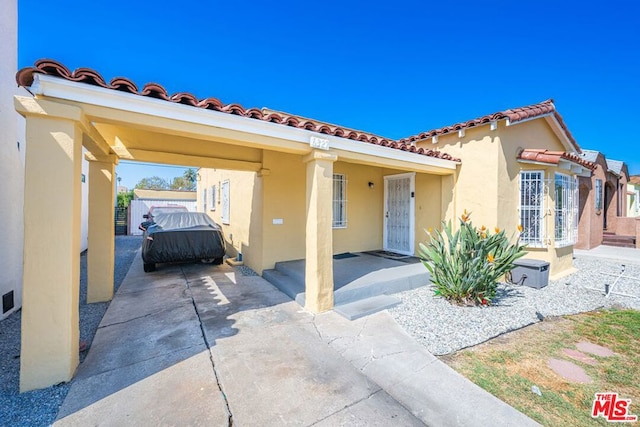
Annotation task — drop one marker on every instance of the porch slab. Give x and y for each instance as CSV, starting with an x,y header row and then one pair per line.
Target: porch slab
x,y
355,278
364,307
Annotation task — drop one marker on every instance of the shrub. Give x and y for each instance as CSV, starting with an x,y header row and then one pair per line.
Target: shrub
x,y
465,266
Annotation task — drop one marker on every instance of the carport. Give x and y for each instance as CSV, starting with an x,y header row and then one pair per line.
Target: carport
x,y
115,120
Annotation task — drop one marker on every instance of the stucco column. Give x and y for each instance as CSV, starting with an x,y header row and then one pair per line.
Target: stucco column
x,y
319,232
100,254
52,215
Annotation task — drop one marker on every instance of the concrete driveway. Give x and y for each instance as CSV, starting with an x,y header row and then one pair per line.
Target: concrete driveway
x,y
203,345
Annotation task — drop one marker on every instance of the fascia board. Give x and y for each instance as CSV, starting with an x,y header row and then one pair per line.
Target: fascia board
x,y
56,87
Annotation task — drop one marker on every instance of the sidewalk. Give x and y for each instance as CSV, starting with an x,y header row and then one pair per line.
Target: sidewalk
x,y
611,253
202,345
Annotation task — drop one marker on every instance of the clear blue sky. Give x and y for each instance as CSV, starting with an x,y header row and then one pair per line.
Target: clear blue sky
x,y
389,68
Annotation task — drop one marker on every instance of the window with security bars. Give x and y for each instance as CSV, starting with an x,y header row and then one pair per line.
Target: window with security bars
x,y
339,201
204,200
598,195
212,199
532,207
566,195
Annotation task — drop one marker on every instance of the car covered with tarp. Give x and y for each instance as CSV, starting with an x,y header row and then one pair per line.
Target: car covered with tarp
x,y
182,237
158,210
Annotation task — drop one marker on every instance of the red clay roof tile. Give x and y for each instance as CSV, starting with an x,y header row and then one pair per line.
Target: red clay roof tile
x,y
24,78
553,157
513,114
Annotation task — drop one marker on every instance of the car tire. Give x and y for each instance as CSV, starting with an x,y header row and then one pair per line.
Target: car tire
x,y
148,268
218,261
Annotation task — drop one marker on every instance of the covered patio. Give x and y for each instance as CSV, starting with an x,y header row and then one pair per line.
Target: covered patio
x,y
363,283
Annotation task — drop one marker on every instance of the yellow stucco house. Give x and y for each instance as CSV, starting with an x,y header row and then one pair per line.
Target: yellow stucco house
x,y
285,187
508,175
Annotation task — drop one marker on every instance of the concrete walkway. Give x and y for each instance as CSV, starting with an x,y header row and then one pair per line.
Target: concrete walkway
x,y
612,253
201,345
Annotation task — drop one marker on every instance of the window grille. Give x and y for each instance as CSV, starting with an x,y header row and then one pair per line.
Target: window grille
x,y
226,209
532,191
566,224
339,201
204,200
598,194
213,193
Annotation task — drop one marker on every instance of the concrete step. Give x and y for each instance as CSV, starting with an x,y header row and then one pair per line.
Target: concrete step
x,y
619,244
286,284
387,281
364,307
294,269
619,240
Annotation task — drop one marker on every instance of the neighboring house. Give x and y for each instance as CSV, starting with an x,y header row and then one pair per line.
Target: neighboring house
x,y
633,196
12,161
592,212
144,199
604,215
518,167
11,164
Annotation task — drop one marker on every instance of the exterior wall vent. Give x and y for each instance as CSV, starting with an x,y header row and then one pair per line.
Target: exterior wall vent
x,y
7,302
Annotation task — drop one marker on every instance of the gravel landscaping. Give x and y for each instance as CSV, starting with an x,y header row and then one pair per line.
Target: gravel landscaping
x,y
444,328
440,326
39,407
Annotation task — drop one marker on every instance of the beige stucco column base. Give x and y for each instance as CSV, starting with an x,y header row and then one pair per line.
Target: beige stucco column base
x,y
319,237
100,255
52,212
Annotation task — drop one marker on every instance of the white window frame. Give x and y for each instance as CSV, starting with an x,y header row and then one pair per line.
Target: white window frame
x,y
204,200
225,196
528,209
566,209
339,206
598,198
213,194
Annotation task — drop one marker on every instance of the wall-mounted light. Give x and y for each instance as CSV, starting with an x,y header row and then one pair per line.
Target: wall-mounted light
x,y
371,184
198,177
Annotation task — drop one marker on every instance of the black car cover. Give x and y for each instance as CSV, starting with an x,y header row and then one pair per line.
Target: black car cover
x,y
182,236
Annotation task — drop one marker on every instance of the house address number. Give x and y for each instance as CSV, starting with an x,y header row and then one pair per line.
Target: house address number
x,y
320,143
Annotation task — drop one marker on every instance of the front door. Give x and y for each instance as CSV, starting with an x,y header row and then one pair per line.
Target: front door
x,y
399,192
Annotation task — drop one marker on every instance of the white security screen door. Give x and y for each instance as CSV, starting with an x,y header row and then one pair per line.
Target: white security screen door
x,y
399,213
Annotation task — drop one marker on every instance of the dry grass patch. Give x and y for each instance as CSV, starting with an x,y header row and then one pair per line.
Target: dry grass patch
x,y
510,365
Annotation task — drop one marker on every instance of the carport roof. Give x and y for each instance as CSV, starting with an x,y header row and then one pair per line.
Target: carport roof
x,y
25,78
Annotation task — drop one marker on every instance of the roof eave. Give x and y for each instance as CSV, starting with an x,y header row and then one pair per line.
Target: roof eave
x,y
56,87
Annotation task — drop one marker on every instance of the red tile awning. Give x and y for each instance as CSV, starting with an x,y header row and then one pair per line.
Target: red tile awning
x,y
554,158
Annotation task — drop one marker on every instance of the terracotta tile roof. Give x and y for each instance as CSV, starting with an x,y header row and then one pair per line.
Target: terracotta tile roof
x,y
634,179
514,115
24,77
554,157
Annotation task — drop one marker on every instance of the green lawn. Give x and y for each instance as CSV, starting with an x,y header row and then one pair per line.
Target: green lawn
x,y
510,365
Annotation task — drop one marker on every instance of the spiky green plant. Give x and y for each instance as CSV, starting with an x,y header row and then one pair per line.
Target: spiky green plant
x,y
466,265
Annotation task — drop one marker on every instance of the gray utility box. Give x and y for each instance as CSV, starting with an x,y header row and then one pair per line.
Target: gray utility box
x,y
530,272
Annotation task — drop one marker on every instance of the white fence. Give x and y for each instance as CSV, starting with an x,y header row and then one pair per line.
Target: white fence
x,y
138,207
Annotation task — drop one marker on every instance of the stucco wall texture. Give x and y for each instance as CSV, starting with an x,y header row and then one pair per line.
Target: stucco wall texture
x,y
487,181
